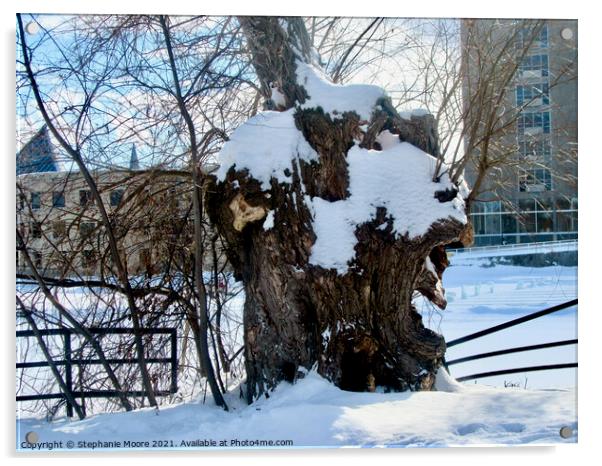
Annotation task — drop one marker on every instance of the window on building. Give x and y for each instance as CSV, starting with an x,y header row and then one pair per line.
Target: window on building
x,y
486,218
58,199
563,203
545,223
59,229
89,259
492,218
526,205
492,206
509,224
534,66
533,94
36,257
535,148
85,197
116,197
531,123
493,224
144,257
509,206
527,222
59,261
478,224
476,207
36,230
86,229
174,194
533,37
535,180
36,201
544,204
566,221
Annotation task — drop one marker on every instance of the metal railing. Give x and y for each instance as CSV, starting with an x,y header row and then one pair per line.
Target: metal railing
x,y
563,245
68,361
518,349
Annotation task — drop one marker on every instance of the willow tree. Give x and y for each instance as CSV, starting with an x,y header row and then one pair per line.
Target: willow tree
x,y
333,219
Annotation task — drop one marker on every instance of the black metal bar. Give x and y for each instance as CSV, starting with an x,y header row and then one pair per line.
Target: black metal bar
x,y
512,323
124,331
516,370
44,396
68,362
45,332
91,394
512,350
114,393
174,361
91,362
94,330
68,372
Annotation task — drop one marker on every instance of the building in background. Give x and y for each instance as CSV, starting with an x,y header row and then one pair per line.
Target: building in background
x,y
37,156
531,195
61,226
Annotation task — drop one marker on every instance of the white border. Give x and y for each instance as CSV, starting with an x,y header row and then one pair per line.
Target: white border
x,y
590,197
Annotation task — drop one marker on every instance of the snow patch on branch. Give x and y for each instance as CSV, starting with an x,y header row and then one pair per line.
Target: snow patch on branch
x,y
277,96
428,263
417,112
463,187
269,221
387,139
265,145
398,178
336,99
326,336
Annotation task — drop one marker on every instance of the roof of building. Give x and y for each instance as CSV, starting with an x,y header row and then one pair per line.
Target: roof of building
x,y
37,156
134,163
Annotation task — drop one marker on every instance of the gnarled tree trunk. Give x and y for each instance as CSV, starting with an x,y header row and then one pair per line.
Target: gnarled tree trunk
x,y
358,326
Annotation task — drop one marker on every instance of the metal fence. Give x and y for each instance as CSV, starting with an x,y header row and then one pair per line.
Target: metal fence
x,y
69,362
518,349
537,246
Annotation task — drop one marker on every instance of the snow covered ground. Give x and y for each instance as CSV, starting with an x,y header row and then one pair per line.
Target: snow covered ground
x,y
480,296
314,413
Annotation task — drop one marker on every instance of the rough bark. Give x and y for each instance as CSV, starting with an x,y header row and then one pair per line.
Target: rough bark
x,y
274,51
360,330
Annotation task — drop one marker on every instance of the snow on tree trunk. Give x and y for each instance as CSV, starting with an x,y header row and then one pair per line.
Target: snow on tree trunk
x,y
333,222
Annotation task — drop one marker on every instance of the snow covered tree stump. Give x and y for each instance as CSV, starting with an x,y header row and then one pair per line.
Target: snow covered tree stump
x,y
333,221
